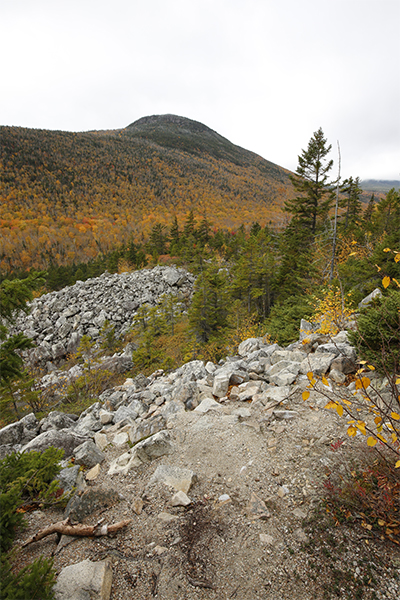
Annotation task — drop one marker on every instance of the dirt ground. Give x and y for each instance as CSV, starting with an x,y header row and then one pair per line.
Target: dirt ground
x,y
255,528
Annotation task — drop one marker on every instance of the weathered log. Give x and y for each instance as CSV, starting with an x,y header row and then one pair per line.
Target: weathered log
x,y
79,530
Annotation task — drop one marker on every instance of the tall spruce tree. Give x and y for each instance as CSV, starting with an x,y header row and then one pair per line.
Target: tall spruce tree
x,y
351,202
209,310
310,208
14,296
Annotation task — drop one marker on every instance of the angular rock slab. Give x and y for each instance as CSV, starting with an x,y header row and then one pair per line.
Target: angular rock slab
x,y
85,581
206,405
257,508
175,477
92,500
153,447
88,454
59,438
11,434
317,363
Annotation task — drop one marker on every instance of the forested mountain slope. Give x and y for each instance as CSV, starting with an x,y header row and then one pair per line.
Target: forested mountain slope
x,y
66,196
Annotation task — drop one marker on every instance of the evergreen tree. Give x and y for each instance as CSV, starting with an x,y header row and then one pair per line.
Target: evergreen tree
x,y
310,208
174,238
369,211
158,239
190,225
351,202
210,304
296,261
386,218
203,232
14,296
253,273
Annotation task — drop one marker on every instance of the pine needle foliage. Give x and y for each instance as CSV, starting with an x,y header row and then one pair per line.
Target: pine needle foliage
x,y
26,478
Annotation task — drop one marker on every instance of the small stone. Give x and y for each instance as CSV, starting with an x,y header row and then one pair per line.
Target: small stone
x,y
166,517
266,539
300,514
337,376
160,550
100,440
153,447
300,535
88,454
224,498
93,473
206,405
180,499
177,478
257,508
106,417
283,491
137,505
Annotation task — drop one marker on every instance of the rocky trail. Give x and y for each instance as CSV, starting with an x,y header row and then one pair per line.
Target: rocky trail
x,y
221,469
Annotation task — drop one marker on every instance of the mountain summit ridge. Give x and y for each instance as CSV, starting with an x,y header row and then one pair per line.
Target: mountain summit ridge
x,y
66,196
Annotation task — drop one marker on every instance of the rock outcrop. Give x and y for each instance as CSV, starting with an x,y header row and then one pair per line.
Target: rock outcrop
x,y
141,409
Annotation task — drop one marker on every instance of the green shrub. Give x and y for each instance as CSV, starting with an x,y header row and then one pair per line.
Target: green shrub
x,y
35,581
27,477
378,333
283,324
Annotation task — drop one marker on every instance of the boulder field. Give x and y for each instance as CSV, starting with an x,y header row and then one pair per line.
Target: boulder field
x,y
219,466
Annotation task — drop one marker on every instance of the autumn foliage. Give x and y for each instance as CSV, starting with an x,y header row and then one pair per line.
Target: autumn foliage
x,y
66,197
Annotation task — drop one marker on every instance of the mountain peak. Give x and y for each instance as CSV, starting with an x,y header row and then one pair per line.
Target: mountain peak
x,y
168,120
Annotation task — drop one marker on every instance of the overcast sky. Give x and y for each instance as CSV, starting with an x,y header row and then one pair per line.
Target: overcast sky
x,y
265,74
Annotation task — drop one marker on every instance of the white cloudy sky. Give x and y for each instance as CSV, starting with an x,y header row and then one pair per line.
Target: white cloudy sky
x,y
265,74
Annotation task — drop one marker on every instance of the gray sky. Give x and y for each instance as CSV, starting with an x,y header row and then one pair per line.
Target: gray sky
x,y
265,74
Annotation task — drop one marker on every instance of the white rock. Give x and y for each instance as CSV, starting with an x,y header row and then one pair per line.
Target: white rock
x,y
266,539
100,440
93,473
85,580
337,376
180,499
317,363
277,393
221,384
206,405
175,477
120,439
106,417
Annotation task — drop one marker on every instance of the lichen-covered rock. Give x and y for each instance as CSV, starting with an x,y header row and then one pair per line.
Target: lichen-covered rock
x,y
88,454
11,434
65,439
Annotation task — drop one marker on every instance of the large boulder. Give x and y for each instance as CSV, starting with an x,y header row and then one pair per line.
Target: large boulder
x,y
318,363
248,346
85,581
11,434
56,420
65,439
153,447
88,454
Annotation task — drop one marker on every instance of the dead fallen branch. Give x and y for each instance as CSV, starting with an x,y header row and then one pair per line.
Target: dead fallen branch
x,y
79,530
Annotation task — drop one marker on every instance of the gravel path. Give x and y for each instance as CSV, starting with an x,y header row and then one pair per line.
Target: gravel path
x,y
255,527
